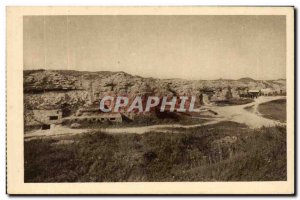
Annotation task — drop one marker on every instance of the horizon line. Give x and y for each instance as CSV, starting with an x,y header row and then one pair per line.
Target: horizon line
x,y
244,77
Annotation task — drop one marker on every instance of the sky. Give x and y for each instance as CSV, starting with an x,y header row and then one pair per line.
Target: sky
x,y
188,47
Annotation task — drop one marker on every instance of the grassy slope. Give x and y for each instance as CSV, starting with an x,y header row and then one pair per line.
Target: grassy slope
x,y
274,110
199,154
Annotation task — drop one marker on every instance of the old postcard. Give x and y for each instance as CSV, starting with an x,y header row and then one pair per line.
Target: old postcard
x,y
150,100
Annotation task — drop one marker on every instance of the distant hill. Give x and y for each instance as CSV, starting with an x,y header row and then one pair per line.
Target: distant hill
x,y
246,79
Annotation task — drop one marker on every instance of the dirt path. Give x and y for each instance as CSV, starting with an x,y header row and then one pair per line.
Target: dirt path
x,y
241,115
62,131
226,113
58,131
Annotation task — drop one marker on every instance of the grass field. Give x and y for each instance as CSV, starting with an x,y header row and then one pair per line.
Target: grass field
x,y
274,110
224,152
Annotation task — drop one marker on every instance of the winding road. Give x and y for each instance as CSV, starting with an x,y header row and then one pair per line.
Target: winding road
x,y
253,118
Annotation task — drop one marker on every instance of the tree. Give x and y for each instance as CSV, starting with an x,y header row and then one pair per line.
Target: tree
x,y
228,95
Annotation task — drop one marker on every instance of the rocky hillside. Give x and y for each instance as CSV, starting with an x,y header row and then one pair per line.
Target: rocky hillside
x,y
75,89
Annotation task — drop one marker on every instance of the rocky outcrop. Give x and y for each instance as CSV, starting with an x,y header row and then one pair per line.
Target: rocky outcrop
x,y
75,89
55,100
42,80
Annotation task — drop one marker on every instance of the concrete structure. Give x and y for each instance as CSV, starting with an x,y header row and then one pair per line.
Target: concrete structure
x,y
45,118
87,111
253,93
101,117
48,117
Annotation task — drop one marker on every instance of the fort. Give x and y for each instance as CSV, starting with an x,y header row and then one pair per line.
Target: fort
x,y
145,104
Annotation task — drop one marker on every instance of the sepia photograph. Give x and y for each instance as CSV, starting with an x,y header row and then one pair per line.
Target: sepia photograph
x,y
155,98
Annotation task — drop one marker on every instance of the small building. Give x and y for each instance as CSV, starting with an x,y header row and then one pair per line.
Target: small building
x,y
253,93
48,117
113,117
100,117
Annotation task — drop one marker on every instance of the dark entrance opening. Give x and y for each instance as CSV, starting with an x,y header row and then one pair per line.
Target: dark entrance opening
x,y
45,126
53,117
